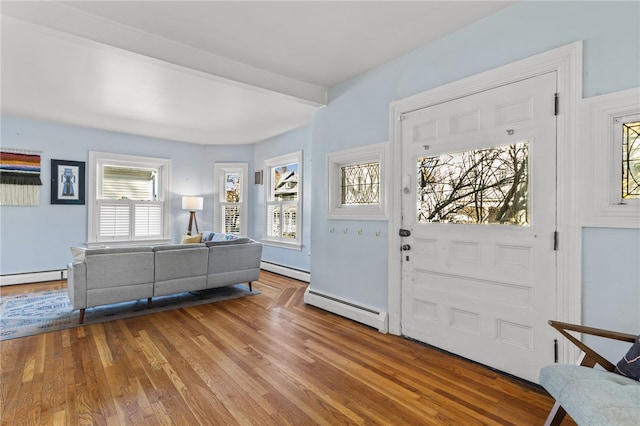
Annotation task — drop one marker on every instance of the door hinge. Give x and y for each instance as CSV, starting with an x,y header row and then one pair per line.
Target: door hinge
x,y
556,240
556,104
555,350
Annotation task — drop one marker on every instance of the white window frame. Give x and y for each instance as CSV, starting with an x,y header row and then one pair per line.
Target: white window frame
x,y
269,164
219,189
375,153
601,160
96,162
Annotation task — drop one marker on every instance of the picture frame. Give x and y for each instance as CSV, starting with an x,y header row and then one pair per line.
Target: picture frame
x,y
67,182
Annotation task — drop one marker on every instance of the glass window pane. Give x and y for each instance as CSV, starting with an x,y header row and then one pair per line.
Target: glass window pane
x,y
631,160
360,184
285,182
484,186
232,187
289,221
273,220
128,183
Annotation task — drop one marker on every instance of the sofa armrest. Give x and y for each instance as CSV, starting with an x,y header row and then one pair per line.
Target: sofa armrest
x,y
77,284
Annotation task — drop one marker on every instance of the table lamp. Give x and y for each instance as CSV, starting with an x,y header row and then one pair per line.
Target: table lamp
x,y
192,204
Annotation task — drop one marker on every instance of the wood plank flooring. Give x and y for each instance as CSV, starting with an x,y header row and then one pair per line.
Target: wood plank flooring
x,y
267,359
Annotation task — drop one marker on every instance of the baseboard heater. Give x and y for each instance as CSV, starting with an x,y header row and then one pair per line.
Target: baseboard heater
x,y
287,271
356,312
33,277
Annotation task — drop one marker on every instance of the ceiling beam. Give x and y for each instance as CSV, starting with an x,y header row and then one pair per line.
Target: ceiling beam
x,y
66,19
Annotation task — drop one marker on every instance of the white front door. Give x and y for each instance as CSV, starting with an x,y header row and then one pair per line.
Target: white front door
x,y
479,201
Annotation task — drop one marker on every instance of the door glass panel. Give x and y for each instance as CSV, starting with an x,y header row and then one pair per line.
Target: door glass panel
x,y
483,186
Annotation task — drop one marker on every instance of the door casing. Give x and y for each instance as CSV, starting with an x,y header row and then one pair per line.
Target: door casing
x,y
567,62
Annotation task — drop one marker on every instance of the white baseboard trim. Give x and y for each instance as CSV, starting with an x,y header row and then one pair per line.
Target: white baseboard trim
x,y
357,312
33,277
296,274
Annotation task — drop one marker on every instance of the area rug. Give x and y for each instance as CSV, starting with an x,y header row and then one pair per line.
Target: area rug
x,y
43,311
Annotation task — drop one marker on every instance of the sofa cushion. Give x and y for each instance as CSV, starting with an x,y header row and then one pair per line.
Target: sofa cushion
x,y
629,366
593,396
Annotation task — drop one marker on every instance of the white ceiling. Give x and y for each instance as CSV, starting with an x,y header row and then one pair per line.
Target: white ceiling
x,y
209,72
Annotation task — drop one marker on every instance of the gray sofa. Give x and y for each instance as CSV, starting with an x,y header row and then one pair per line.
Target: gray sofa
x,y
102,276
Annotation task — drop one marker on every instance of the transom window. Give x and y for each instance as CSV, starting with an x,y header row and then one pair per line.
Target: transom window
x,y
127,198
357,183
360,184
283,201
483,186
631,160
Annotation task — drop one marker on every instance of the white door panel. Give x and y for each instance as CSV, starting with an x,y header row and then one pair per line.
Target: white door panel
x,y
483,290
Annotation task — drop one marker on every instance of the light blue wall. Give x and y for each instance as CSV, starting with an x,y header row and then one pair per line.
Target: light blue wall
x,y
611,284
38,238
296,140
355,268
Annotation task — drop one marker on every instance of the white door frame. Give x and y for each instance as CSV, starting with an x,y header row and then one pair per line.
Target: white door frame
x,y
567,62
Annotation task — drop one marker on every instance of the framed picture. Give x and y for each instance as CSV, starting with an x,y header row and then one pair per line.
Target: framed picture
x,y
67,182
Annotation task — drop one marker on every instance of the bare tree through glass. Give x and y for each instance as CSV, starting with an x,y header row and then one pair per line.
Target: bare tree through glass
x,y
483,186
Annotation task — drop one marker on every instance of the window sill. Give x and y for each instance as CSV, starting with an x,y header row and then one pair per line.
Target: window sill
x,y
281,244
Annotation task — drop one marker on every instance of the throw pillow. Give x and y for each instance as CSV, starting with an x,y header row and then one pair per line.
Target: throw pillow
x,y
630,365
190,239
224,237
207,236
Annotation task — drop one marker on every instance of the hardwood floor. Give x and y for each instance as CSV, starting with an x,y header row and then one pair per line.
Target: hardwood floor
x,y
267,359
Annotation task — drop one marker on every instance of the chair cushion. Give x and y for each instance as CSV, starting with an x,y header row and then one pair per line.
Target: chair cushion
x,y
593,396
629,366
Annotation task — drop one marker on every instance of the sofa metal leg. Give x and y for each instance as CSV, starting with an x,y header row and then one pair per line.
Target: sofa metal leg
x,y
250,287
81,316
149,303
556,415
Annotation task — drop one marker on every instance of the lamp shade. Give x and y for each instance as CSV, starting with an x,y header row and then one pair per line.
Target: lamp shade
x,y
192,203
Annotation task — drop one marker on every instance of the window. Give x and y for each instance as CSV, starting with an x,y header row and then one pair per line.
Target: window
x,y
283,200
357,183
610,160
230,196
629,133
128,198
482,186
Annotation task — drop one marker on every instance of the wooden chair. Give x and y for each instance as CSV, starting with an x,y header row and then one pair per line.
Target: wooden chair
x,y
589,358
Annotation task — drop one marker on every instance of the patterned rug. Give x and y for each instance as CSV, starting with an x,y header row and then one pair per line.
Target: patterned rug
x,y
43,311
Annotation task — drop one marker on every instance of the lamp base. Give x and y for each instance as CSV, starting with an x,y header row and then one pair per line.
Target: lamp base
x,y
192,219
